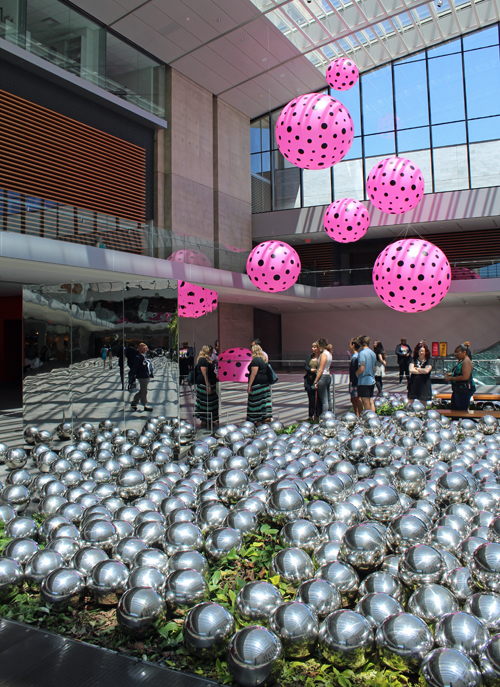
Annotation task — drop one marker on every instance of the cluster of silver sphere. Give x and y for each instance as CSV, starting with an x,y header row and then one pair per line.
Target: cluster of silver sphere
x,y
390,529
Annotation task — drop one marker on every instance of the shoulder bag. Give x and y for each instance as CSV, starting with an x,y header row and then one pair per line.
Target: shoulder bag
x,y
272,377
463,386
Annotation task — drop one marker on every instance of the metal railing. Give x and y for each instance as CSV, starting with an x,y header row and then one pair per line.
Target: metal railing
x,y
24,214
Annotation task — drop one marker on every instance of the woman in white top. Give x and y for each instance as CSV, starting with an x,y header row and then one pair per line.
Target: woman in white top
x,y
323,379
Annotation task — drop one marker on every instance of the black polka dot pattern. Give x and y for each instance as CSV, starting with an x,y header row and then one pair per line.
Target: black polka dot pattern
x,y
195,301
411,275
233,365
190,257
346,220
342,74
314,131
273,266
395,185
463,273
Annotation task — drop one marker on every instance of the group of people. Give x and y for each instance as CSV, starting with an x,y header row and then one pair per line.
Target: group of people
x,y
367,370
259,404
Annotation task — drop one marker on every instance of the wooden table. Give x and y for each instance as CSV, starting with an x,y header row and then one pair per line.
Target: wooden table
x,y
472,414
477,397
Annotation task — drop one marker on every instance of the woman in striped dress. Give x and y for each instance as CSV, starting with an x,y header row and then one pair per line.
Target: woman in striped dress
x,y
207,401
259,408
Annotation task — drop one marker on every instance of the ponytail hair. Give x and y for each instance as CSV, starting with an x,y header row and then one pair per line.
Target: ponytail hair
x,y
464,348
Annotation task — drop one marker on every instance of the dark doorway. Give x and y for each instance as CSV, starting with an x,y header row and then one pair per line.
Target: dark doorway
x,y
267,328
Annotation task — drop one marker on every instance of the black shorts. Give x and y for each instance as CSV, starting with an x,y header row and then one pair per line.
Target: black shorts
x,y
365,390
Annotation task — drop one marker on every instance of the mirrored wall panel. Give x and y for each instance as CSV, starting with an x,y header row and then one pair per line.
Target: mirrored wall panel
x,y
100,351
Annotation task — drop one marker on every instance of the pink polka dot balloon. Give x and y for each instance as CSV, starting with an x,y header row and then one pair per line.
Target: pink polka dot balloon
x,y
346,220
233,365
273,266
342,74
314,131
195,301
395,185
463,273
190,257
411,275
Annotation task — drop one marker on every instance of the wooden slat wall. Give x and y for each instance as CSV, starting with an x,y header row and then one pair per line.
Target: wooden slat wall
x,y
468,245
54,157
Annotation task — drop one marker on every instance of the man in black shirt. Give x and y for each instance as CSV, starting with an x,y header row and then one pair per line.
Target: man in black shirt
x,y
403,351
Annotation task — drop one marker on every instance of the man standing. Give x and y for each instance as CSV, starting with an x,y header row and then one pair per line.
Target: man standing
x,y
403,351
142,369
366,373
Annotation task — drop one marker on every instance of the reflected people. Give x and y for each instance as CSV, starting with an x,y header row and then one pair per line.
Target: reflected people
x,y
142,370
259,406
207,400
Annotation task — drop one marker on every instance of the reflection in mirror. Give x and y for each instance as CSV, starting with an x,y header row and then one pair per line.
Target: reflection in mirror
x,y
97,329
47,355
199,407
150,365
81,341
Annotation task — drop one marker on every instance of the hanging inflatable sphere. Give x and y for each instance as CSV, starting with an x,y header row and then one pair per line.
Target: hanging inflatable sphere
x,y
342,74
395,185
464,273
346,220
411,275
314,131
233,365
273,266
195,301
190,257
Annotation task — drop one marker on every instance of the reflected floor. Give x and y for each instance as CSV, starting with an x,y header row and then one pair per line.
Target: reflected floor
x,y
96,395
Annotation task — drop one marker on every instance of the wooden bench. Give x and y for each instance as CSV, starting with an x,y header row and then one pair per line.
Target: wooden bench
x,y
472,414
477,397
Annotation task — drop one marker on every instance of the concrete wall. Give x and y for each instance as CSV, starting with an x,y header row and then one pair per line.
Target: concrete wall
x,y
235,325
200,331
479,325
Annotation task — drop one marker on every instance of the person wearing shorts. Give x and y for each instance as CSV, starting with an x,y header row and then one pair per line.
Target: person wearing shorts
x,y
357,406
366,373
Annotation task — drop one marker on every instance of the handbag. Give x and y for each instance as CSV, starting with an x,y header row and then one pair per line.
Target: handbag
x,y
272,377
464,386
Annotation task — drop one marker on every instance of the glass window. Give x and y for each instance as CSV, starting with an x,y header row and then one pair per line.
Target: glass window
x,y
446,89
410,85
413,139
354,150
67,38
380,144
350,99
317,187
286,188
256,163
487,129
446,49
481,39
422,158
348,180
134,77
274,119
482,82
376,88
13,21
266,133
255,141
450,168
448,134
484,169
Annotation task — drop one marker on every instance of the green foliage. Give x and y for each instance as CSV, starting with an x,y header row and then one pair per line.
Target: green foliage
x,y
387,409
164,643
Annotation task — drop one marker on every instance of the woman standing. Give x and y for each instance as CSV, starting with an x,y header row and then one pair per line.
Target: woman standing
x,y
357,406
207,401
379,365
104,355
462,383
419,386
311,367
323,380
259,406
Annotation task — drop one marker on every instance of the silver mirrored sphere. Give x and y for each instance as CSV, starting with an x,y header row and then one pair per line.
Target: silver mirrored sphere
x,y
293,565
139,608
63,586
376,607
256,600
208,629
297,628
345,638
450,668
463,632
403,640
255,656
185,588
